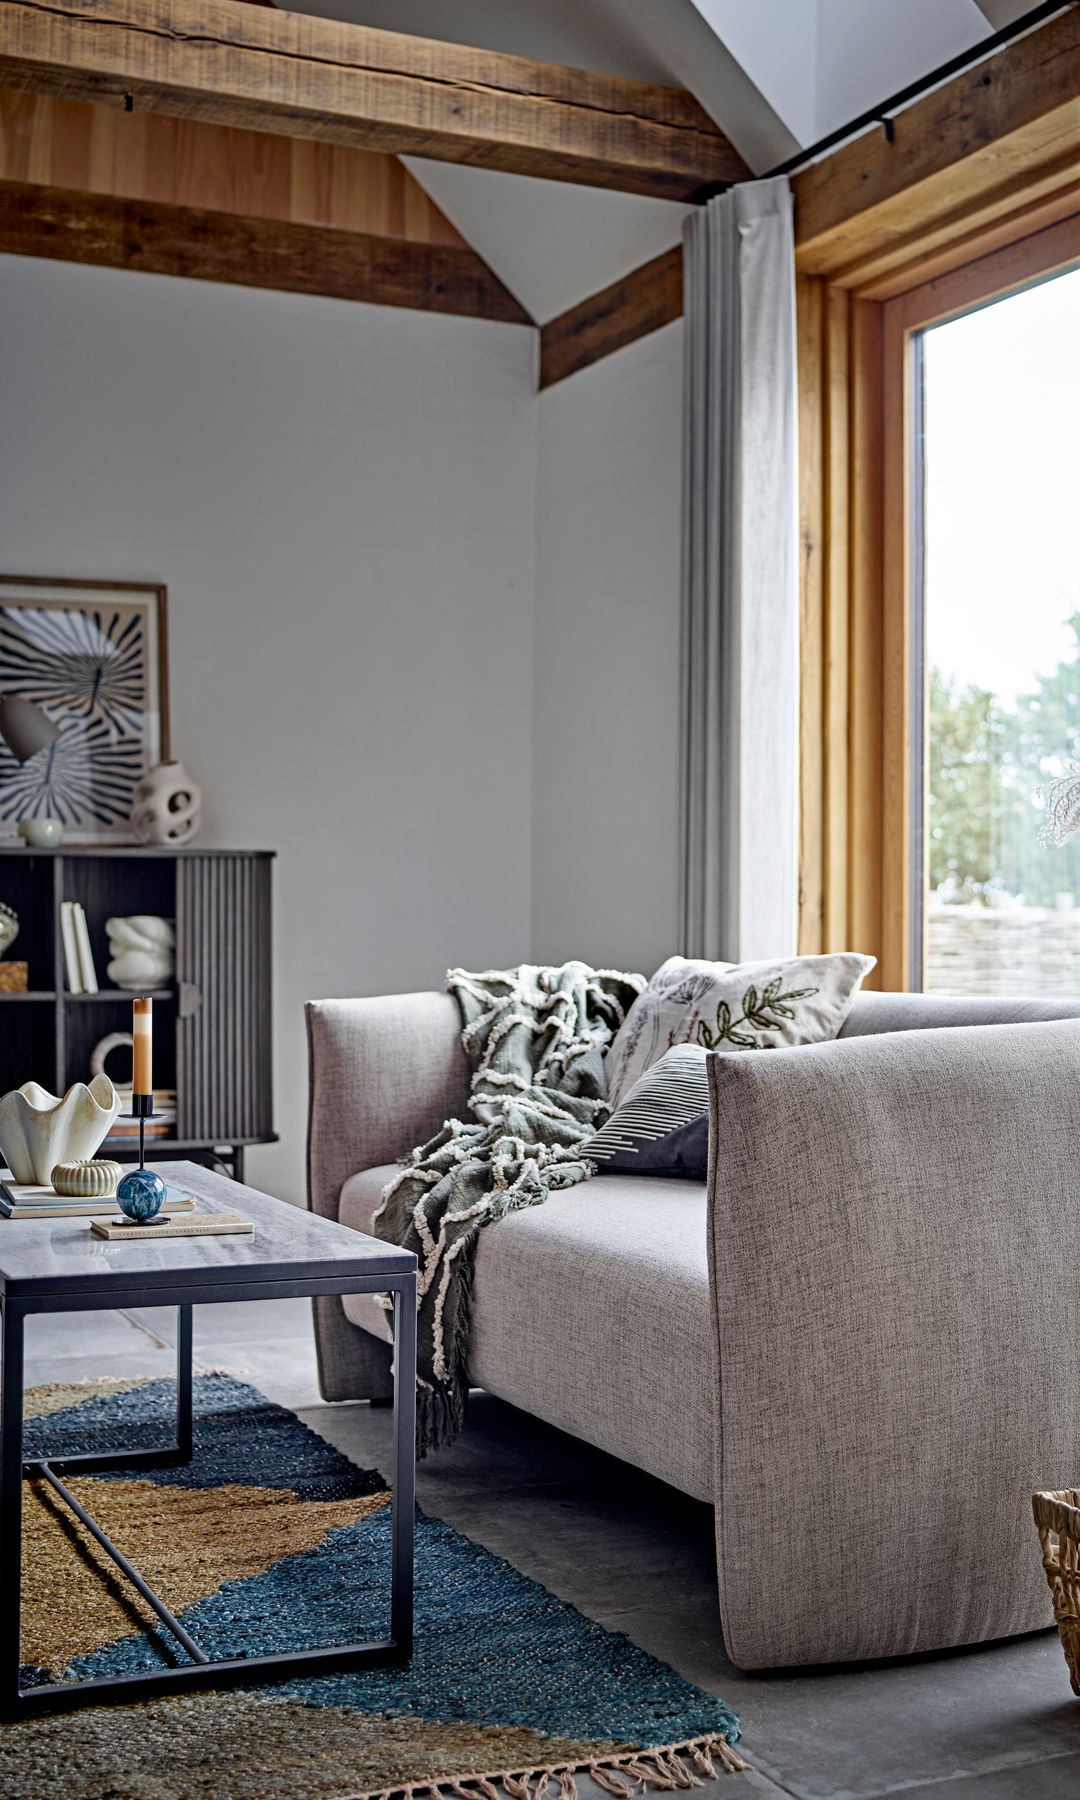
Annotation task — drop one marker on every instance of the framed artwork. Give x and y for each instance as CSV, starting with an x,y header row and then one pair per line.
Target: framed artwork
x,y
92,655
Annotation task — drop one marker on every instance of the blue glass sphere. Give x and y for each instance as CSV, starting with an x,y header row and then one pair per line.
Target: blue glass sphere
x,y
141,1195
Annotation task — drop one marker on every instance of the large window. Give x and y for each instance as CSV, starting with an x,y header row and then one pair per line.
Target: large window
x,y
996,634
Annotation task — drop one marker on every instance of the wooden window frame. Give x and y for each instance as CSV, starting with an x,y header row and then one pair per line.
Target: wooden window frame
x,y
861,789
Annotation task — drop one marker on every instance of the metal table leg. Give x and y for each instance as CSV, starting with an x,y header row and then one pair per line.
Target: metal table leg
x,y
201,1670
171,1455
184,1353
11,1479
401,1575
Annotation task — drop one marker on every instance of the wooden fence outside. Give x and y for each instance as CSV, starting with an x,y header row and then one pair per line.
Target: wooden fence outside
x,y
1010,950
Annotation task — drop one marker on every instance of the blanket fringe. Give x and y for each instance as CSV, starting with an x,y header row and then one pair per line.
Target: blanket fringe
x,y
663,1769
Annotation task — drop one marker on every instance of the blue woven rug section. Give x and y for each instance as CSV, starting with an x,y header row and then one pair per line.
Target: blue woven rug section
x,y
505,1678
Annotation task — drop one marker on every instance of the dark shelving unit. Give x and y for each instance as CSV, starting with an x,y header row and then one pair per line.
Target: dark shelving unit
x,y
212,1025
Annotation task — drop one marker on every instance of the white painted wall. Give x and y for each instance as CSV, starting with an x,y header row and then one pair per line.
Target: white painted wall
x,y
775,43
553,244
606,669
341,502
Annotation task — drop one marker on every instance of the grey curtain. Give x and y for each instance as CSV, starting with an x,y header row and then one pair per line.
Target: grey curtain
x,y
740,597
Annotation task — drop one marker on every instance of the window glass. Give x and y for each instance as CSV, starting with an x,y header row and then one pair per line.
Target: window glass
x,y
1000,523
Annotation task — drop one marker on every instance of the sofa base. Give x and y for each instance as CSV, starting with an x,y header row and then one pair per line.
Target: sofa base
x,y
353,1365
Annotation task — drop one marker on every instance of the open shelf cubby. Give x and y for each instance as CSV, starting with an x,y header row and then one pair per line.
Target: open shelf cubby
x,y
212,1023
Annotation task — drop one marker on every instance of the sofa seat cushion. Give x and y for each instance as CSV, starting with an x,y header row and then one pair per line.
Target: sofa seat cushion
x,y
593,1312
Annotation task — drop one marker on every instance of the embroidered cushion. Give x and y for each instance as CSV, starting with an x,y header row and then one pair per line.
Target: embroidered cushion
x,y
647,1134
733,1006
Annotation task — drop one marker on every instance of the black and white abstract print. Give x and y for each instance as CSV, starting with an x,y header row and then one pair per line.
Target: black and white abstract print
x,y
90,662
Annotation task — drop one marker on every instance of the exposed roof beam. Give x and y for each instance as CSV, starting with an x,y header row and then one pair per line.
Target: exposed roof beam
x,y
118,233
629,309
993,151
303,76
957,154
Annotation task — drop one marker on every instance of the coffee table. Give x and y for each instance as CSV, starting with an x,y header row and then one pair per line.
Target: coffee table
x,y
59,1265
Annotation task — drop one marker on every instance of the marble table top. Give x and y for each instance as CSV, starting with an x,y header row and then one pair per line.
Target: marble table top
x,y
54,1256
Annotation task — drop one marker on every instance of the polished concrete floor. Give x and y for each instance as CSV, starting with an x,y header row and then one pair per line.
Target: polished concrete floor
x,y
993,1724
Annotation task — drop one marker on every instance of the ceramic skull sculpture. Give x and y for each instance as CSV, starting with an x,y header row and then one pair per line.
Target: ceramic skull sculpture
x,y
165,806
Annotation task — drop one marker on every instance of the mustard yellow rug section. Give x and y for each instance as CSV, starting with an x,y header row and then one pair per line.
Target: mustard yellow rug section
x,y
269,1542
58,1396
184,1543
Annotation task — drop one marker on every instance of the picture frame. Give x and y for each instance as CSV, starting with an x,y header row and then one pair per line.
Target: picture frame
x,y
93,655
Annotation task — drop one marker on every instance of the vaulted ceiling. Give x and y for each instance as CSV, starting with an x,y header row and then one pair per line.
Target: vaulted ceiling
x,y
776,75
190,137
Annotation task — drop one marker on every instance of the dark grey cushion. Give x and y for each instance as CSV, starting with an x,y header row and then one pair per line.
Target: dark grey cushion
x,y
637,1138
684,1152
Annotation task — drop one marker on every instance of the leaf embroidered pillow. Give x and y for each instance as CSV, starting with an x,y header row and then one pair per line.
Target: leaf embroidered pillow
x,y
734,1006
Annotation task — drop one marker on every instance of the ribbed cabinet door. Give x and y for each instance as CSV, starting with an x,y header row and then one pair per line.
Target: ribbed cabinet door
x,y
223,1072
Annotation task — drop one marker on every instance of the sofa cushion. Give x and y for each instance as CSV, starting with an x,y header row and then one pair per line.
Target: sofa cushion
x,y
593,1312
733,1006
637,1139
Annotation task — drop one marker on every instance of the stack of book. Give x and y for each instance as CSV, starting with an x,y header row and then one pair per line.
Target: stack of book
x,y
78,956
160,1124
18,1202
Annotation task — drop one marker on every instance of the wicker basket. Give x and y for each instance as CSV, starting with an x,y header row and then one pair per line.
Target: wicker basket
x,y
1057,1519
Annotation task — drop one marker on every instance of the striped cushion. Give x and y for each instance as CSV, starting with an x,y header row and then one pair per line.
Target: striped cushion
x,y
670,1094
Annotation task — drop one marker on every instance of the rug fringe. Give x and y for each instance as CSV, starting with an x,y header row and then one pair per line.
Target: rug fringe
x,y
662,1769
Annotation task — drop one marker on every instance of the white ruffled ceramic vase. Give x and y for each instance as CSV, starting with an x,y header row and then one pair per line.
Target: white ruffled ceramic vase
x,y
39,1130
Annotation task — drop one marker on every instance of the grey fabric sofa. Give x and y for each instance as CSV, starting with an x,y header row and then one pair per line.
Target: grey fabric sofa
x,y
854,1342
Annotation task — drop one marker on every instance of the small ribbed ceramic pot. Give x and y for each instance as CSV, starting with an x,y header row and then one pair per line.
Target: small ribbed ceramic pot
x,y
94,1179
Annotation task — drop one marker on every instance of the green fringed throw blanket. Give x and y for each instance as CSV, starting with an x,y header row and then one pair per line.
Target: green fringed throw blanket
x,y
536,1039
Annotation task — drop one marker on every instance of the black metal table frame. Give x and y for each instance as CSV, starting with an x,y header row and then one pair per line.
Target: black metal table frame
x,y
17,1701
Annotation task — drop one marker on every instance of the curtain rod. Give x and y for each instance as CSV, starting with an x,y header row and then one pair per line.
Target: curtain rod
x,y
882,113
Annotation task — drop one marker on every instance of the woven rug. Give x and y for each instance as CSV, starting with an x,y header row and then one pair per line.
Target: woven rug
x,y
271,1539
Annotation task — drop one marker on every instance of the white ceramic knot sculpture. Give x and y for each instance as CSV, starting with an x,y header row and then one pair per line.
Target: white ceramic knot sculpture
x,y
39,1130
165,805
143,951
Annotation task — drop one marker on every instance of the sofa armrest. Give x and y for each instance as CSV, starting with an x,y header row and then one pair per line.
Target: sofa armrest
x,y
893,1241
383,1074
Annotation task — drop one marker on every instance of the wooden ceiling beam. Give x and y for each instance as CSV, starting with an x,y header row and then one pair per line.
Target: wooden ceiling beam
x,y
985,158
303,76
629,309
113,232
961,157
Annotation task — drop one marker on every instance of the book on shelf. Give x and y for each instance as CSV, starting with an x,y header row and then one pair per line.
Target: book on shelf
x,y
161,1123
126,1131
71,947
87,968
